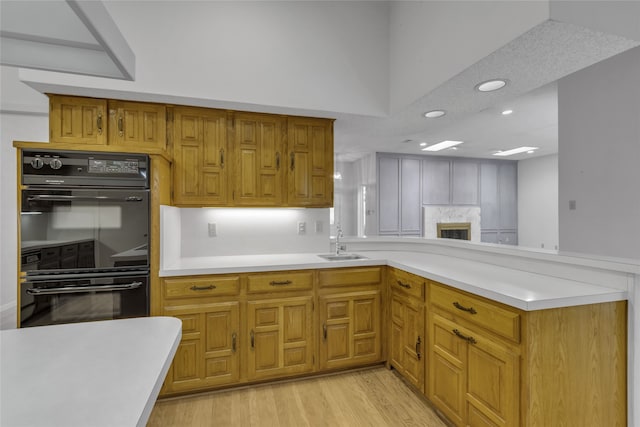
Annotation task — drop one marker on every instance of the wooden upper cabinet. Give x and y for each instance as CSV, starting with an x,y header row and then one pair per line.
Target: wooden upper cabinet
x,y
137,124
199,156
258,153
75,120
310,162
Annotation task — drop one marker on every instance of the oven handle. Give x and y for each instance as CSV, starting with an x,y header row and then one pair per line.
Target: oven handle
x,y
79,289
63,198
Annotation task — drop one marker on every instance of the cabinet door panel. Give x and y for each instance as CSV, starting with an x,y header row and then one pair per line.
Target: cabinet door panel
x,y
310,147
75,120
389,200
489,196
508,195
200,141
350,329
492,381
436,186
279,337
465,183
186,365
410,207
258,148
137,124
447,382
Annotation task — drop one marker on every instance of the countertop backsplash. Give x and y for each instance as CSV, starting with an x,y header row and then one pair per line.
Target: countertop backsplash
x,y
202,232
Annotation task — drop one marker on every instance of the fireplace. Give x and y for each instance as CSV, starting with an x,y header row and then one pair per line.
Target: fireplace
x,y
454,230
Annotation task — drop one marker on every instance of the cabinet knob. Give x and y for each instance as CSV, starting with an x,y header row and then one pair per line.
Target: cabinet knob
x,y
252,338
234,336
418,342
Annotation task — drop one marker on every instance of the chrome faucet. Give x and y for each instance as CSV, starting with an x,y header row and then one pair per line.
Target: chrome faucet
x,y
338,236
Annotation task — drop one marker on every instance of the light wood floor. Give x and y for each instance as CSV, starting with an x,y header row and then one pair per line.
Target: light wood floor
x,y
373,397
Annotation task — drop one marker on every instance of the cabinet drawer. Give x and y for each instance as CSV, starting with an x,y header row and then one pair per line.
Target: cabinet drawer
x,y
208,286
280,282
474,309
407,283
349,276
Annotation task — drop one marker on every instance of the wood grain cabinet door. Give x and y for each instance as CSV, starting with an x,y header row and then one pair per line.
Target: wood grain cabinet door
x,y
259,162
413,344
200,157
75,120
208,354
350,328
310,162
137,124
279,337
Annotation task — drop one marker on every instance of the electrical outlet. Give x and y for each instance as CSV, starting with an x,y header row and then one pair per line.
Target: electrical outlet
x,y
302,227
318,226
212,229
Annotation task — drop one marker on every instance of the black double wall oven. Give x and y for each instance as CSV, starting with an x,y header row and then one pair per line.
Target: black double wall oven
x,y
84,236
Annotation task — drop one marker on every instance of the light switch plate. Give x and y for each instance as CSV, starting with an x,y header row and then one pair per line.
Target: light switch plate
x,y
212,229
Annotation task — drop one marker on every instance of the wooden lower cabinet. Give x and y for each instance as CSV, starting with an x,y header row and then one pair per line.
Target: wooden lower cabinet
x,y
280,337
407,340
208,353
350,324
474,379
494,365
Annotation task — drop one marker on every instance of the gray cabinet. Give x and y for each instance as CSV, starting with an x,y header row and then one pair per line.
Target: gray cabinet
x,y
449,182
464,186
436,181
499,202
399,208
406,183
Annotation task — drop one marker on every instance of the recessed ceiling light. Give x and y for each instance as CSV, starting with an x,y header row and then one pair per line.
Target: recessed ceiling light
x,y
423,144
515,151
442,145
491,85
454,148
507,112
434,114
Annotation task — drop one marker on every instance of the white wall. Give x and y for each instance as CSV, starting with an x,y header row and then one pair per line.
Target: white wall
x,y
251,231
313,55
599,154
538,202
431,41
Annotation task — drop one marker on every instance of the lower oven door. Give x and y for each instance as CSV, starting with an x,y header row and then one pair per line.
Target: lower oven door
x,y
71,300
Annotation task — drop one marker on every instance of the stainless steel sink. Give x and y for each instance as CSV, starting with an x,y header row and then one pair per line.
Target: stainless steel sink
x,y
342,257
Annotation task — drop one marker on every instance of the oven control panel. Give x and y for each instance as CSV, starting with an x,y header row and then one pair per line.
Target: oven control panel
x,y
82,168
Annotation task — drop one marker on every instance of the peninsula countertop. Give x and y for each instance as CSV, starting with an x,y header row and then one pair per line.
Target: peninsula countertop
x,y
521,289
106,373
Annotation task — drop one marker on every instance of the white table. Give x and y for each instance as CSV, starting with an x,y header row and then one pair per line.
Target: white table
x,y
106,373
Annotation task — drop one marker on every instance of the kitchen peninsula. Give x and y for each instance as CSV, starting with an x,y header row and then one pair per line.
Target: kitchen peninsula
x,y
446,309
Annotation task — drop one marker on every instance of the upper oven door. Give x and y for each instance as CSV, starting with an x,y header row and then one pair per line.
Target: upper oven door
x,y
83,229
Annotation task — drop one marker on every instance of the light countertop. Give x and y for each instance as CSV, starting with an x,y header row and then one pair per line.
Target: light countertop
x,y
106,373
520,289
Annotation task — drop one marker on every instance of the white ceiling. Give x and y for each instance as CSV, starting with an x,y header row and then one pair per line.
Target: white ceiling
x,y
69,36
532,63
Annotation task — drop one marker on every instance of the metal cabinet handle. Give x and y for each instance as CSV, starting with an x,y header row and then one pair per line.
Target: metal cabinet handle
x,y
418,342
252,337
222,158
280,283
324,331
470,340
120,126
277,160
293,161
404,285
234,336
463,308
202,288
99,123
